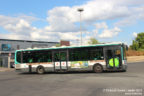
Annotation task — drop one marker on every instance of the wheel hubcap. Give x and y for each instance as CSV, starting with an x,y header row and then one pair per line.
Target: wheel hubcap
x,y
40,70
98,69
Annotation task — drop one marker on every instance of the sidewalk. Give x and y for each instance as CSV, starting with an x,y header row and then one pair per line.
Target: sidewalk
x,y
2,69
135,59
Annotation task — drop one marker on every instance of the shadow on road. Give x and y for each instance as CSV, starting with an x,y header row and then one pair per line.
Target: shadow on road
x,y
72,72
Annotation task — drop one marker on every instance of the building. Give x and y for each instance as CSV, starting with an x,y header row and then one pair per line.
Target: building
x,y
8,48
64,43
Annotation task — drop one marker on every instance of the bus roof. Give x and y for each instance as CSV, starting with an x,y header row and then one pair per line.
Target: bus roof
x,y
67,47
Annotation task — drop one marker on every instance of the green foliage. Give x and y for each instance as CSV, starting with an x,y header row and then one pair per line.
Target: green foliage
x,y
57,45
140,40
135,45
93,41
138,43
141,49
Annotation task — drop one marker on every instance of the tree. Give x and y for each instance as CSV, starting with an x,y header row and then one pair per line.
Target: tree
x,y
140,40
57,45
93,41
138,43
135,45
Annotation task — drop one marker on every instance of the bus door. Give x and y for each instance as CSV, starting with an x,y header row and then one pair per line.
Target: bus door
x,y
60,60
113,57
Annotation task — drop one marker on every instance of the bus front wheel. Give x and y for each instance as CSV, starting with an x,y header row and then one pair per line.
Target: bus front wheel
x,y
98,68
40,70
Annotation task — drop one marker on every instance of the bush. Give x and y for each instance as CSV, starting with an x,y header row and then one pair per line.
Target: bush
x,y
131,52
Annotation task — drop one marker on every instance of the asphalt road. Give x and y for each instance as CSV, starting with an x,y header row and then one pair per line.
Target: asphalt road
x,y
130,83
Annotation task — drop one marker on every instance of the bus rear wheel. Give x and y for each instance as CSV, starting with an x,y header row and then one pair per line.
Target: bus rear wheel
x,y
40,70
98,68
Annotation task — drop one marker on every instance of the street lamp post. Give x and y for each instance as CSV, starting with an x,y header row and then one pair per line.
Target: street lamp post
x,y
80,10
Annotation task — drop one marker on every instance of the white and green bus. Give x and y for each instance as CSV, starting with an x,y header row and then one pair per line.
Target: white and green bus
x,y
97,58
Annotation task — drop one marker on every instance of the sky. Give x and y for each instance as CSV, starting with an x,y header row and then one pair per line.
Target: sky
x,y
55,20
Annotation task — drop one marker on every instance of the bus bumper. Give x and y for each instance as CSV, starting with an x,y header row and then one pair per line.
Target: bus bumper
x,y
22,70
17,70
124,67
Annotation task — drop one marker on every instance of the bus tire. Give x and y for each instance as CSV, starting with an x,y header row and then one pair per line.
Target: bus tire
x,y
98,68
40,70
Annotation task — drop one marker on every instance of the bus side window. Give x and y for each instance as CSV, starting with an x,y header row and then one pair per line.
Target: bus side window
x,y
109,54
57,57
44,56
96,54
49,60
49,57
30,60
118,53
39,60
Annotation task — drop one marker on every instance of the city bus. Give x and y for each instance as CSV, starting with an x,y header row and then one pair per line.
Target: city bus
x,y
96,58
